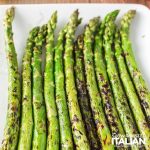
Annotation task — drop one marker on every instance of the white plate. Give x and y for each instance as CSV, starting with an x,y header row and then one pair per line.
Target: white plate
x,y
28,16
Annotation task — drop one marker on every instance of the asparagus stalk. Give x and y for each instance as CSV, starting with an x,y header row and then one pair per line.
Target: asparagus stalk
x,y
26,128
120,97
82,95
61,100
96,102
78,130
11,131
132,66
53,124
39,135
103,81
131,93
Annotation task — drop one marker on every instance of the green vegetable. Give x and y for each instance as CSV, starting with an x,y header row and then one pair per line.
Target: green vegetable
x,y
136,76
103,81
49,95
119,95
66,141
26,128
82,95
78,130
95,99
39,112
130,91
11,131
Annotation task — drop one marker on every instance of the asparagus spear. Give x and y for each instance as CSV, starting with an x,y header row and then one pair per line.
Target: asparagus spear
x,y
53,124
11,131
63,114
132,66
39,135
120,97
82,95
131,93
26,128
78,130
103,81
96,103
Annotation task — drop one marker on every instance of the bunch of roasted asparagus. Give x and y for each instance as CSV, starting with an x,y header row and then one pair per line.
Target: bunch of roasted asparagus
x,y
91,90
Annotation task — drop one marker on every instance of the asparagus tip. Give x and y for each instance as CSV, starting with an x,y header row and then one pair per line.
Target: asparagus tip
x,y
74,18
127,18
54,16
10,13
114,14
44,27
133,11
35,29
55,12
33,32
94,21
76,11
116,11
53,20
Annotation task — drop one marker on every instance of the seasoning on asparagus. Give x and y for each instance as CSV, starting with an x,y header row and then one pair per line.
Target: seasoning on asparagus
x,y
11,132
130,91
137,79
119,95
95,99
83,98
103,81
66,141
78,130
39,112
49,95
26,128
132,66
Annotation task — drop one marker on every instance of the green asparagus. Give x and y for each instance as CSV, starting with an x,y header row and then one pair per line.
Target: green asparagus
x,y
39,112
103,81
26,128
11,132
82,95
66,141
133,69
130,91
78,130
119,95
49,95
132,66
96,102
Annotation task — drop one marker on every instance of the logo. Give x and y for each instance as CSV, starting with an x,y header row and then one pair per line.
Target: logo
x,y
127,140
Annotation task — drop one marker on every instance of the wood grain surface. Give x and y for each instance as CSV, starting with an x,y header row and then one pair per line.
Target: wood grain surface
x,y
144,2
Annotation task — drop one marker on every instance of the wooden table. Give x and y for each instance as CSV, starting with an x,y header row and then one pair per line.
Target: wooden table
x,y
144,2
